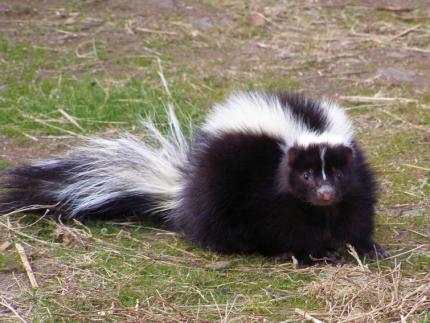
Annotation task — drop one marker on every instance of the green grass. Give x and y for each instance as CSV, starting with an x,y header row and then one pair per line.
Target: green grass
x,y
125,271
95,104
9,261
5,164
92,105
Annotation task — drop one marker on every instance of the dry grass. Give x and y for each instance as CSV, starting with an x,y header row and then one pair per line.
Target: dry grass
x,y
66,69
353,294
70,274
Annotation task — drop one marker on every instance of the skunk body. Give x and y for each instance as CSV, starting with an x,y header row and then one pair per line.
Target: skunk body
x,y
266,173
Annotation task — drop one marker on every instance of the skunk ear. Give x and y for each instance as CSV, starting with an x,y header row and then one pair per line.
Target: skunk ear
x,y
291,155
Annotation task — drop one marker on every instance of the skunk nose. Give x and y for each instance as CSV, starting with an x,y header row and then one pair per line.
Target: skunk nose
x,y
326,196
325,193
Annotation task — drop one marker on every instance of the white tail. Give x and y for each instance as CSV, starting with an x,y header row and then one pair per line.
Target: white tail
x,y
106,173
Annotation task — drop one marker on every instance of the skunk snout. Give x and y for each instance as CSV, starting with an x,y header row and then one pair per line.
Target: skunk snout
x,y
325,193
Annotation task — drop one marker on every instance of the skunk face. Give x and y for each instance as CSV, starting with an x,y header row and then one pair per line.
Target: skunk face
x,y
319,174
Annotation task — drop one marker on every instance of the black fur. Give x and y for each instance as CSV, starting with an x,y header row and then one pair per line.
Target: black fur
x,y
305,109
25,186
34,185
234,203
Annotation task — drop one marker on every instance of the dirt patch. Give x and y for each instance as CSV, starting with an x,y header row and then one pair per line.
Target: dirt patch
x,y
15,153
330,53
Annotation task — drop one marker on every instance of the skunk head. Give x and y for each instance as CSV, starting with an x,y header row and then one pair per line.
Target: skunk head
x,y
317,174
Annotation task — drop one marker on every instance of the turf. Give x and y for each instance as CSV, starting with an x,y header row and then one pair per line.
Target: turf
x,y
70,69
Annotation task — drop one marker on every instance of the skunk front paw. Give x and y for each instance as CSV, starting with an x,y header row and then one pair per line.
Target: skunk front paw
x,y
377,252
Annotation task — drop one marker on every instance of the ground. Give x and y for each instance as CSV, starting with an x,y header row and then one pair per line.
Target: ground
x,y
69,69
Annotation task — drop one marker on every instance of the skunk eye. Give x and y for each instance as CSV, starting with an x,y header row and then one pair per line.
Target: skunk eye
x,y
339,174
306,175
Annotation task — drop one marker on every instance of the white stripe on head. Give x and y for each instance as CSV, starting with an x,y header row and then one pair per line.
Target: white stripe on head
x,y
322,156
311,138
339,129
261,113
254,113
339,124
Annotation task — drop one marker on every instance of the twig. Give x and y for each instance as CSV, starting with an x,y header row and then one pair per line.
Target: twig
x,y
128,28
96,55
415,307
26,265
130,100
417,167
71,119
14,311
29,136
405,32
29,208
26,235
153,31
394,8
163,79
419,50
217,306
419,233
67,32
5,245
351,250
307,316
371,99
52,126
405,253
413,18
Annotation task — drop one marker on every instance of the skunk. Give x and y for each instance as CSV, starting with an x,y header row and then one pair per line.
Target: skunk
x,y
267,173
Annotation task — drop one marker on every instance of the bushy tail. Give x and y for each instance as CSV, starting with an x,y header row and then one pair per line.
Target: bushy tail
x,y
107,177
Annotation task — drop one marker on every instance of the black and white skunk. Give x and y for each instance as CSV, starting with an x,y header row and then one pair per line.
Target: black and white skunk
x,y
268,173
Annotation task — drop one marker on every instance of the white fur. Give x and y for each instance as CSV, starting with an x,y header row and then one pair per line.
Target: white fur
x,y
322,156
254,113
263,114
340,125
111,168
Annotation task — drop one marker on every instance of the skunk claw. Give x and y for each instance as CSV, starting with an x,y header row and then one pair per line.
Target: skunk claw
x,y
377,252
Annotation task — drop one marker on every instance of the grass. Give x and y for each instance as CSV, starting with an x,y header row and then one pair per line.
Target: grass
x,y
64,77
